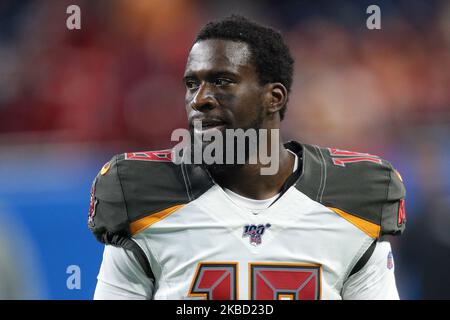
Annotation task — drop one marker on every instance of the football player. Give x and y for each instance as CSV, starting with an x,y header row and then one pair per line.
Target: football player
x,y
314,230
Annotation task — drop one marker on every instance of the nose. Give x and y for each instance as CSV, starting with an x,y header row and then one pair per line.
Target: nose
x,y
204,99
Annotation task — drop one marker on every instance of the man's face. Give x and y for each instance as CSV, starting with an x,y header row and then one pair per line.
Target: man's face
x,y
222,87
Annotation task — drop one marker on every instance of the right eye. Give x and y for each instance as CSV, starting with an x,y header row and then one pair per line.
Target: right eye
x,y
192,84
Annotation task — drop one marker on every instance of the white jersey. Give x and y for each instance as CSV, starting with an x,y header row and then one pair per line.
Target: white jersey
x,y
214,247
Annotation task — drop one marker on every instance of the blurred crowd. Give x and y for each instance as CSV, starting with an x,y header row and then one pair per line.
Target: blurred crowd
x,y
119,79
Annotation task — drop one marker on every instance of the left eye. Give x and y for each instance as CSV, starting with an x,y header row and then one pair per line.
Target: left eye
x,y
222,82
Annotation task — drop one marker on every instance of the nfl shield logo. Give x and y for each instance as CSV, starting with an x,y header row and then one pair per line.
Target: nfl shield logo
x,y
390,261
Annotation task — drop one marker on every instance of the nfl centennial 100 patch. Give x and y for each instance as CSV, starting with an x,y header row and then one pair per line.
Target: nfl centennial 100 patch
x,y
255,232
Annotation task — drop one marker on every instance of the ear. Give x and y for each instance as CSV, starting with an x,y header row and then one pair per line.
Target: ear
x,y
276,96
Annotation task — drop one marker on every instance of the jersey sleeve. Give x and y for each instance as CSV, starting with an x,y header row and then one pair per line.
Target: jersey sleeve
x,y
393,215
108,216
376,280
356,185
133,186
121,277
107,211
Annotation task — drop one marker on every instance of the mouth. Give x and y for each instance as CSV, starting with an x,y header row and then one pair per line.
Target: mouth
x,y
207,125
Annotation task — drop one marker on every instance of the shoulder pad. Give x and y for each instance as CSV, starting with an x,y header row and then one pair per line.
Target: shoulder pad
x,y
355,185
133,186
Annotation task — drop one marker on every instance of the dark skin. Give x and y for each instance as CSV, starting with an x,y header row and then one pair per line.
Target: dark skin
x,y
222,84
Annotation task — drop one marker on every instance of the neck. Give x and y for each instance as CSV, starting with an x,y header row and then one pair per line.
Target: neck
x,y
247,180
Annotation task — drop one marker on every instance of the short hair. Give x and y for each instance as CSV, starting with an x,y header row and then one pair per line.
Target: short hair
x,y
269,53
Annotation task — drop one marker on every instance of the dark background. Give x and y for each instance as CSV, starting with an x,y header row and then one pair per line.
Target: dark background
x,y
69,100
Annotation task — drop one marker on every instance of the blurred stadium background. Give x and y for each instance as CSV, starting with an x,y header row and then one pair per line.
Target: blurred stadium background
x,y
69,100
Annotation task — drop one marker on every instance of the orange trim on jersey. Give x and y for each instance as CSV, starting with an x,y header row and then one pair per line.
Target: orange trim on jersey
x,y
139,225
370,228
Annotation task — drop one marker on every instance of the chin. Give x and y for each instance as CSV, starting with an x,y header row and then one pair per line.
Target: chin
x,y
217,169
